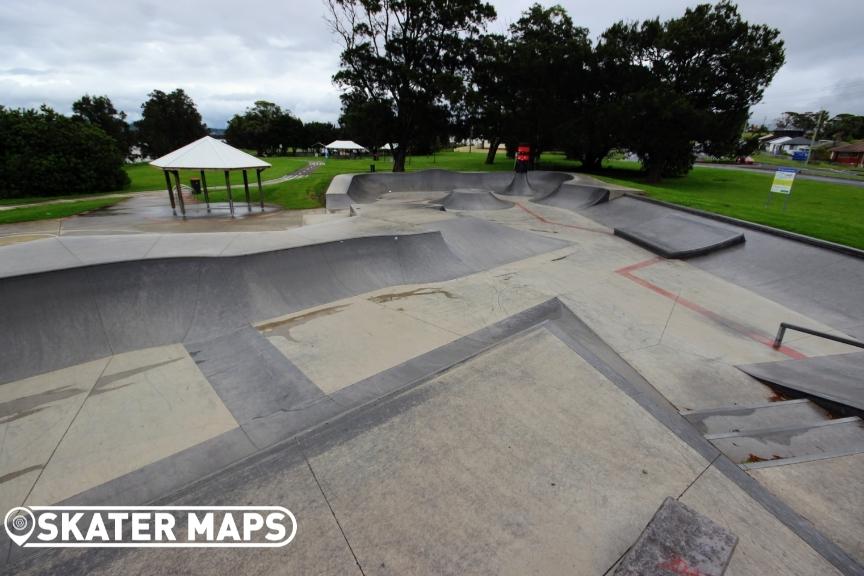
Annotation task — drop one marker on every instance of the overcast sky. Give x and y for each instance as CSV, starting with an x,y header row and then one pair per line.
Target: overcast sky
x,y
227,54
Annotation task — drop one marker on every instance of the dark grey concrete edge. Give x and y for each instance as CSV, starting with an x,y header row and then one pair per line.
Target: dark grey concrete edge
x,y
631,382
179,474
833,246
678,254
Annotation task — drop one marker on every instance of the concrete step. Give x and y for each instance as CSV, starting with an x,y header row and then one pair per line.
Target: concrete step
x,y
792,443
741,418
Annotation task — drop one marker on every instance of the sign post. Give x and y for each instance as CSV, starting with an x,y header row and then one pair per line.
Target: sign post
x,y
783,179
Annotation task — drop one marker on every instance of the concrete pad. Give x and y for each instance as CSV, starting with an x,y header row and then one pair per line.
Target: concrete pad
x,y
345,342
740,306
691,381
146,405
34,415
523,460
460,306
765,545
826,492
318,548
621,312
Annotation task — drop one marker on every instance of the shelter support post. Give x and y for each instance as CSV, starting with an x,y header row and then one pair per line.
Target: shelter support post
x,y
170,190
246,189
228,187
204,187
180,192
260,189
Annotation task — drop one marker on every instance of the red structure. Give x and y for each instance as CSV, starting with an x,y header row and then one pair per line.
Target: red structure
x,y
852,154
523,158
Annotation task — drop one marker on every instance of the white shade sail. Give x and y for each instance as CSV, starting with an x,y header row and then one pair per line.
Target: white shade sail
x,y
344,145
208,154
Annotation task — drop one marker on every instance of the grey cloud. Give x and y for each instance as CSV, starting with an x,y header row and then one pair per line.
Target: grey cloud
x,y
227,54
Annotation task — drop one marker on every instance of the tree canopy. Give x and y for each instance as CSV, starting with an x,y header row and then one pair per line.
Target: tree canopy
x,y
168,121
100,111
43,153
409,55
266,128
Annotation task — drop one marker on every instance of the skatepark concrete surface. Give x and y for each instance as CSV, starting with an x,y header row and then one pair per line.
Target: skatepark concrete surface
x,y
497,391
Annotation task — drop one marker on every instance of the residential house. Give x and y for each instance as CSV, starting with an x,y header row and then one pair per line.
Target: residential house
x,y
852,154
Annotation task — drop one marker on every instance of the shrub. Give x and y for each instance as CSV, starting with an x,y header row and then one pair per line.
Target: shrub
x,y
43,153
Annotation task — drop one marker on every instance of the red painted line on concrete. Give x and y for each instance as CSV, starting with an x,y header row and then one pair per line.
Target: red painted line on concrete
x,y
627,272
547,221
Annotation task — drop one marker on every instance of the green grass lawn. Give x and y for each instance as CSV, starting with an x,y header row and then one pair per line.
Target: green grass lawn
x,y
832,212
829,169
145,177
57,210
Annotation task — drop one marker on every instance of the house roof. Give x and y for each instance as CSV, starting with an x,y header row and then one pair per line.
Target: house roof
x,y
344,145
208,153
852,147
799,141
779,140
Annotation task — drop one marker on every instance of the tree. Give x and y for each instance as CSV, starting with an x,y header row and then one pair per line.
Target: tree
x,y
487,110
370,122
168,121
265,127
845,127
319,133
44,153
99,111
546,74
699,76
408,54
806,121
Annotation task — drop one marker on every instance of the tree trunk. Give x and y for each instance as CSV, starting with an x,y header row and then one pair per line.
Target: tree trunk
x,y
399,158
654,172
592,162
493,149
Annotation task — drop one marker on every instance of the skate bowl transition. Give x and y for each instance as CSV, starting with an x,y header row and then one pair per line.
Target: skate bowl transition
x,y
556,188
116,307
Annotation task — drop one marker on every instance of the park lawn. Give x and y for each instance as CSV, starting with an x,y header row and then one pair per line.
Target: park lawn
x,y
817,167
147,178
833,212
56,210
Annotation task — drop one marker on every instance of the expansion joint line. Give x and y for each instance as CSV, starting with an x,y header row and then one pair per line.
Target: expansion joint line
x,y
628,272
332,512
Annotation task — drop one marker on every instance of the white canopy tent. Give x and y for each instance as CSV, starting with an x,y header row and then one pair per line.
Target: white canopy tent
x,y
345,145
208,153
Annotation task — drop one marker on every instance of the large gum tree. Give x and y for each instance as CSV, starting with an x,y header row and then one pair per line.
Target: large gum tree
x,y
410,55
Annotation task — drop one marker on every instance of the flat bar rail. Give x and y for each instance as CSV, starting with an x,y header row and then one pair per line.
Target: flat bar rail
x,y
781,332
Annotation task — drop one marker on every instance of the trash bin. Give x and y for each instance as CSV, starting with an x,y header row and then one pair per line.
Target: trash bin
x,y
196,185
371,168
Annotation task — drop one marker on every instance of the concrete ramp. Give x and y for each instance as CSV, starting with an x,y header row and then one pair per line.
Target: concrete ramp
x,y
474,199
677,236
838,378
66,317
574,196
347,189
